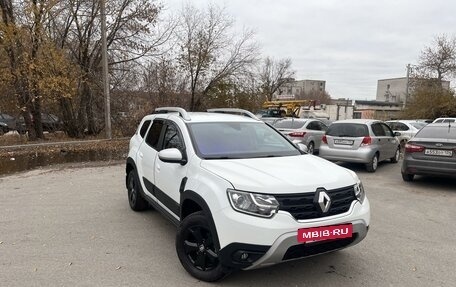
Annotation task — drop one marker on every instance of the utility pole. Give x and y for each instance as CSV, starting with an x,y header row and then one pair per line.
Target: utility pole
x,y
104,61
407,85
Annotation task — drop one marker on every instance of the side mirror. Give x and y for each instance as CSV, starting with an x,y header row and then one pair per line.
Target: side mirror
x,y
301,146
172,155
397,134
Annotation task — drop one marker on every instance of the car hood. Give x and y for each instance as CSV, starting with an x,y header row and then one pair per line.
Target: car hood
x,y
281,175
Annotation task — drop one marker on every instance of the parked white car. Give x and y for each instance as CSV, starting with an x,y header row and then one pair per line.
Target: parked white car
x,y
407,129
444,120
242,195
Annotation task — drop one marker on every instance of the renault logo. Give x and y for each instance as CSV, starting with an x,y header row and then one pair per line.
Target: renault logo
x,y
322,200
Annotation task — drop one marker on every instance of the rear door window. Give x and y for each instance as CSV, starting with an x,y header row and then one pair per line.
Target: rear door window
x,y
144,127
378,130
153,136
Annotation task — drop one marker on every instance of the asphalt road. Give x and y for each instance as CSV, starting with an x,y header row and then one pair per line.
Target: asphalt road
x,y
71,226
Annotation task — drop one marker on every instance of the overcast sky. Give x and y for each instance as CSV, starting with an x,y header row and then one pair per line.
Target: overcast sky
x,y
348,43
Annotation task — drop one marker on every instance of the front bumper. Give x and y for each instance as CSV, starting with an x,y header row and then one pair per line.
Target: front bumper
x,y
274,240
411,165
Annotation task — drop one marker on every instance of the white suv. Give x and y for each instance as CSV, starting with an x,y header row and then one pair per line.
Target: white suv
x,y
242,195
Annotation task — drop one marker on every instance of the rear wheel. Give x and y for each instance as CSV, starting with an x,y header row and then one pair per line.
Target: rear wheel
x,y
197,249
396,156
373,164
135,199
407,176
311,148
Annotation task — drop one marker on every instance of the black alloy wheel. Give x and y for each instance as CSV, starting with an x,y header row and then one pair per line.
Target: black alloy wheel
x,y
197,249
135,199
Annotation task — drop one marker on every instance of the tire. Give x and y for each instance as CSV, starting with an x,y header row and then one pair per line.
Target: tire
x,y
373,164
2,131
135,198
197,250
396,156
311,148
403,142
407,176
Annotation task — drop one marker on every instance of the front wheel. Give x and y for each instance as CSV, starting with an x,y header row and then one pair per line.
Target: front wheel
x,y
197,249
373,164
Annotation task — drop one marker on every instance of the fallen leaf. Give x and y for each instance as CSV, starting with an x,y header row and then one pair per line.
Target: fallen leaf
x,y
414,268
71,263
118,267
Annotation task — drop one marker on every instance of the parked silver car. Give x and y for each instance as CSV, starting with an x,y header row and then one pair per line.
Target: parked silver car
x,y
407,128
360,141
307,131
431,152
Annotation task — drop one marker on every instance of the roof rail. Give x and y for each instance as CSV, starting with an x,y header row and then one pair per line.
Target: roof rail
x,y
165,110
234,111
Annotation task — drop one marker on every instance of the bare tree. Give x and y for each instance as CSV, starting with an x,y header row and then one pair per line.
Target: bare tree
x,y
211,51
439,60
274,74
132,34
164,83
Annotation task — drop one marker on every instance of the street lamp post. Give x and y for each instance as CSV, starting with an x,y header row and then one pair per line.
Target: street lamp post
x,y
104,61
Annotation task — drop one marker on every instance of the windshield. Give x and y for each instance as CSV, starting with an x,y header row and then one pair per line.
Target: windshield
x,y
347,130
227,140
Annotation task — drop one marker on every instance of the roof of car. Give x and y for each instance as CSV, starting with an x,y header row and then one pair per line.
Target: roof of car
x,y
404,121
356,121
444,125
201,117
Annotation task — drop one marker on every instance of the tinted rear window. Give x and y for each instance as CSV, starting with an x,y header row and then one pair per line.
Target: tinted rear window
x,y
442,132
348,130
289,124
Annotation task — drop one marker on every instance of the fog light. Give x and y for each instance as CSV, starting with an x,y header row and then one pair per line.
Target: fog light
x,y
244,256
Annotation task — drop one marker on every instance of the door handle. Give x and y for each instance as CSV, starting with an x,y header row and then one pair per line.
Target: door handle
x,y
141,155
157,167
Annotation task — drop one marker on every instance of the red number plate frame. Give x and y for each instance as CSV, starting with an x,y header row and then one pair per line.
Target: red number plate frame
x,y
325,233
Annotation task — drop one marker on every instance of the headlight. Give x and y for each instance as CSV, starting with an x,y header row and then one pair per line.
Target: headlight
x,y
253,203
359,192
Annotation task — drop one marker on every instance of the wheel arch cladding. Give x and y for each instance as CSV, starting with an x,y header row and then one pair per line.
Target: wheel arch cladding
x,y
129,167
192,202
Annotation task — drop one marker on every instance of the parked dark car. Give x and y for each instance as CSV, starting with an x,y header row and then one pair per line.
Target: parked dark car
x,y
50,122
3,128
432,151
10,121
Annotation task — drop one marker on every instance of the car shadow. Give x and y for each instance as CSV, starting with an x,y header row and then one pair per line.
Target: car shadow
x,y
435,182
360,167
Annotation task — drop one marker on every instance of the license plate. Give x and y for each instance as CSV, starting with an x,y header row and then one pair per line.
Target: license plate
x,y
438,152
344,142
325,233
